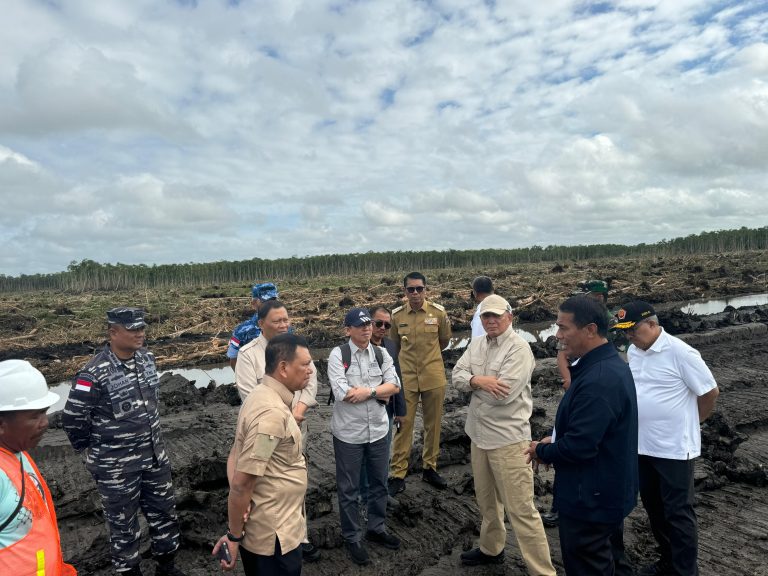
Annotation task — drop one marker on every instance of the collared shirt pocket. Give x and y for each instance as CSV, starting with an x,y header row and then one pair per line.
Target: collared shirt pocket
x,y
268,437
406,336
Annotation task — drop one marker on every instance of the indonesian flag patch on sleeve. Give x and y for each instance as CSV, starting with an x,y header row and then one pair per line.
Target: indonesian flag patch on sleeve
x,y
234,342
83,384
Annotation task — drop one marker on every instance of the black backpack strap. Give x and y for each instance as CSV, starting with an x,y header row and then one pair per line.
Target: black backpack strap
x,y
379,356
21,497
346,359
346,356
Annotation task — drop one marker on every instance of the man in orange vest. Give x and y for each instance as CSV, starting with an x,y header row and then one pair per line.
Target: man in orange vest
x,y
29,536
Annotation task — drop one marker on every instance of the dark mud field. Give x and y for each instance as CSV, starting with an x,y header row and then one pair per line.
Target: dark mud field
x,y
436,526
58,332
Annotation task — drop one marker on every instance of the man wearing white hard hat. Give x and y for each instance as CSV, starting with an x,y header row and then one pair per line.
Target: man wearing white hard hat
x,y
29,536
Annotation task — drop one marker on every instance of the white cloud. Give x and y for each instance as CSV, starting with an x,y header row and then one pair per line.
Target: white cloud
x,y
174,133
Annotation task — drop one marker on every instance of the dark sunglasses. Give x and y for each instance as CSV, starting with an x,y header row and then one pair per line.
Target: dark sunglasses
x,y
412,289
382,324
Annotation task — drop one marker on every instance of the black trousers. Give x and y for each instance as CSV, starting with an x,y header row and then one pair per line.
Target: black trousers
x,y
278,564
593,548
666,488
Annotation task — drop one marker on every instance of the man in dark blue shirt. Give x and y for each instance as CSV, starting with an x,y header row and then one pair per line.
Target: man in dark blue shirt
x,y
594,444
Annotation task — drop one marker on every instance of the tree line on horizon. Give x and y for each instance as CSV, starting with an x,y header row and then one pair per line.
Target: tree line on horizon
x,y
89,275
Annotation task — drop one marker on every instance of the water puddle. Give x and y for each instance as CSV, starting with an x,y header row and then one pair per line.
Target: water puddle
x,y
538,332
219,374
704,307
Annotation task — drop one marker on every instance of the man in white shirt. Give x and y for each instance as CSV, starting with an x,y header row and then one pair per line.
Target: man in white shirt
x,y
675,393
482,287
362,379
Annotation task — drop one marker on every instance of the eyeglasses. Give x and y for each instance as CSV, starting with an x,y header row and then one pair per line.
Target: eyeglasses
x,y
412,289
382,324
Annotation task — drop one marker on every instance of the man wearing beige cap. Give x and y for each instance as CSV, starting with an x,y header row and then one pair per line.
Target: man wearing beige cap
x,y
497,369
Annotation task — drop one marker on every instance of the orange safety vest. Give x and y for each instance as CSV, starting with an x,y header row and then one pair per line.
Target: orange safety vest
x,y
39,552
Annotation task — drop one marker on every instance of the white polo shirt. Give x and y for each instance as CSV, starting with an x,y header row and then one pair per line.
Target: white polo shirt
x,y
477,324
669,377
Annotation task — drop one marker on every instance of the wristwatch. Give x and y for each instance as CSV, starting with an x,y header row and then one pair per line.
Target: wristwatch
x,y
232,538
373,392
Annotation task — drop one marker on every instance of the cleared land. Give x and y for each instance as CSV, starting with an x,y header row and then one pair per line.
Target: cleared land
x,y
192,327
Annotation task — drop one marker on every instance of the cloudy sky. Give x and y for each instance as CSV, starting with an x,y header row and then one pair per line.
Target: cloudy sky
x,y
158,131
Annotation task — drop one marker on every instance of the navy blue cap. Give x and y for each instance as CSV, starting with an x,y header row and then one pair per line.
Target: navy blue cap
x,y
130,318
357,317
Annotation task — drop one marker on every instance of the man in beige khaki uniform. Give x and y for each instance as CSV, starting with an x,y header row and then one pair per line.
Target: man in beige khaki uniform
x,y
420,329
270,470
249,370
249,373
497,369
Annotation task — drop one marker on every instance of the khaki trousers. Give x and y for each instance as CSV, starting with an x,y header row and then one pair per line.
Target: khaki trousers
x,y
503,481
432,411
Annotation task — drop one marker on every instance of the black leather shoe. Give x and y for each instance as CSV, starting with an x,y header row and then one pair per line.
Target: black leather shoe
x,y
384,538
432,477
656,569
476,557
309,552
396,485
357,553
135,571
550,519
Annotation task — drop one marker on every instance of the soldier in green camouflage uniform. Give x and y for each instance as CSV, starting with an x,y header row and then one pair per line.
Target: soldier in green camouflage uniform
x,y
112,418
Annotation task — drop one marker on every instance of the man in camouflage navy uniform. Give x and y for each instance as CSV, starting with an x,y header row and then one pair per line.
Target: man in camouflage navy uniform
x,y
249,330
111,417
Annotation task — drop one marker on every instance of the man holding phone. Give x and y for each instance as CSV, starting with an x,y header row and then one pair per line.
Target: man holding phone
x,y
270,469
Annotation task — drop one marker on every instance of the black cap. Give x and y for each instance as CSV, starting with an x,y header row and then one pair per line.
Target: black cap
x,y
632,313
129,318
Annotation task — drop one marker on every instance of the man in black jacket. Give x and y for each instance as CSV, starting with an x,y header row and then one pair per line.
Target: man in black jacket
x,y
594,444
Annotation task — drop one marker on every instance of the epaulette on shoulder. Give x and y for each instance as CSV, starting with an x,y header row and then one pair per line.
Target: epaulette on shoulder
x,y
438,306
396,310
251,344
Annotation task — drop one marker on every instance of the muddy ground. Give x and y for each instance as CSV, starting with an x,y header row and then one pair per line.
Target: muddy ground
x,y
434,526
59,331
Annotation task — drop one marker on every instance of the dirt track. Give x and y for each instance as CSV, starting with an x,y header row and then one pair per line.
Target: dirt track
x,y
436,526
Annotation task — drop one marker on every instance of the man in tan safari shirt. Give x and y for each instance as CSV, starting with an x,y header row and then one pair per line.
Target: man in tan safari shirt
x,y
249,373
421,330
497,369
270,469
